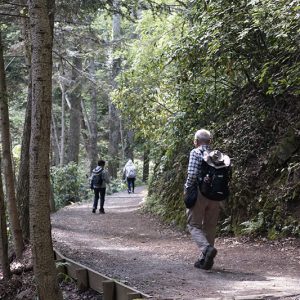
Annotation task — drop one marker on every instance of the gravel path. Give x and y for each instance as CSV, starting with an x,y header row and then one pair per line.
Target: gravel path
x,y
140,251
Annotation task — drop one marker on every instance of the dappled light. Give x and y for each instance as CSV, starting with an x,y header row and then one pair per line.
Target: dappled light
x,y
149,148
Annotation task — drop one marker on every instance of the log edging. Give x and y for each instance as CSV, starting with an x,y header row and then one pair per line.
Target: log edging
x,y
85,277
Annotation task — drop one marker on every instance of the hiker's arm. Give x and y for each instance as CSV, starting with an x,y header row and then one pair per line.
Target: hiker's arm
x,y
91,182
193,169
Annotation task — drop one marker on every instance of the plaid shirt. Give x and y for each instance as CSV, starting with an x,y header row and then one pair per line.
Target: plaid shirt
x,y
196,157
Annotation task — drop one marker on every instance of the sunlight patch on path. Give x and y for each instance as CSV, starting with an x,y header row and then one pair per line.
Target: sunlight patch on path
x,y
271,285
158,260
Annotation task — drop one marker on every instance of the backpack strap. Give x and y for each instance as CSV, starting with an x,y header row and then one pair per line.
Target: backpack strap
x,y
202,165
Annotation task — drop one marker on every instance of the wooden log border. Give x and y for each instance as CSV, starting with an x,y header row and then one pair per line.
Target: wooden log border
x,y
87,278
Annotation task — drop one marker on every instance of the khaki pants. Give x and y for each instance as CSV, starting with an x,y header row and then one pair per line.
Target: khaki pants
x,y
202,221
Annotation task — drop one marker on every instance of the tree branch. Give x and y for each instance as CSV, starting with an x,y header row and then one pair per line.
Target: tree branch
x,y
13,16
10,63
14,4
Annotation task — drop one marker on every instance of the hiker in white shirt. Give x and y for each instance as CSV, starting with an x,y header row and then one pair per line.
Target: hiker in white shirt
x,y
129,173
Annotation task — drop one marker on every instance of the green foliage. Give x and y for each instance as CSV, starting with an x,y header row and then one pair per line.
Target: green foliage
x,y
292,229
196,67
69,184
16,152
147,100
226,226
166,211
116,185
61,275
231,67
254,225
166,196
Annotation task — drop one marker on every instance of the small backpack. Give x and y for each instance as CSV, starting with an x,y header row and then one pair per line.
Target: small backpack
x,y
131,173
97,179
214,181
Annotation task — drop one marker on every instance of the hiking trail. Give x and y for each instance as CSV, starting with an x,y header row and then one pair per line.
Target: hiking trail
x,y
137,249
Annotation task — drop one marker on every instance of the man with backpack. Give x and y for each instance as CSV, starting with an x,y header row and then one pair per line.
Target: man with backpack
x,y
99,180
129,173
208,174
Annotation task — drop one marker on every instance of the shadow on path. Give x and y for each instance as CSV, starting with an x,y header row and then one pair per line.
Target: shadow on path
x,y
139,250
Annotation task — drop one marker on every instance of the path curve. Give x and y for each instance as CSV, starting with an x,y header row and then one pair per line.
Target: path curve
x,y
140,251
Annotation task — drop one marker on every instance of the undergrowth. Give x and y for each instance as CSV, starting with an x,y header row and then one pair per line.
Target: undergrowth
x,y
265,154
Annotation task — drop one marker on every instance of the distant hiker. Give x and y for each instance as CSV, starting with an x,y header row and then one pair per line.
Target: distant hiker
x,y
99,180
203,213
129,173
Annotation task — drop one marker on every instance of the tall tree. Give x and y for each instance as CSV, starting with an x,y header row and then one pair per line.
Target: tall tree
x,y
146,162
114,121
41,14
7,161
94,119
55,145
75,112
129,142
63,113
3,235
22,190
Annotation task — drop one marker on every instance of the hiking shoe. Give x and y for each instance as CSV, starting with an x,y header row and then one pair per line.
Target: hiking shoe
x,y
101,211
199,263
94,210
209,254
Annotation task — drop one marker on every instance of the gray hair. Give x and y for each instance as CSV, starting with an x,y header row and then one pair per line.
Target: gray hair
x,y
203,135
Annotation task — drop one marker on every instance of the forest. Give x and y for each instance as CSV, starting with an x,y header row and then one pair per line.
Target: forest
x,y
116,80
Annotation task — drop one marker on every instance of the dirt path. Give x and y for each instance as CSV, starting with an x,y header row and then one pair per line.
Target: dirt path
x,y
138,250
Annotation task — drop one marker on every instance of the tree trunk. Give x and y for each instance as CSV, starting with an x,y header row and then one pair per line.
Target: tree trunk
x,y
127,140
3,235
55,143
94,124
41,14
52,201
85,131
146,163
75,115
22,191
114,139
128,149
7,162
23,177
122,139
62,138
114,122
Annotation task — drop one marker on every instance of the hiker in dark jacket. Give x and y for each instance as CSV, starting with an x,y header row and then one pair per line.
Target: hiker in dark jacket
x,y
99,179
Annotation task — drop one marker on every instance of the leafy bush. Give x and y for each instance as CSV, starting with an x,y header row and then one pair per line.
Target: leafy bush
x,y
255,225
69,185
116,185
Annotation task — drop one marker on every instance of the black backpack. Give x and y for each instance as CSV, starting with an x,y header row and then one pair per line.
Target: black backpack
x,y
214,182
97,179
